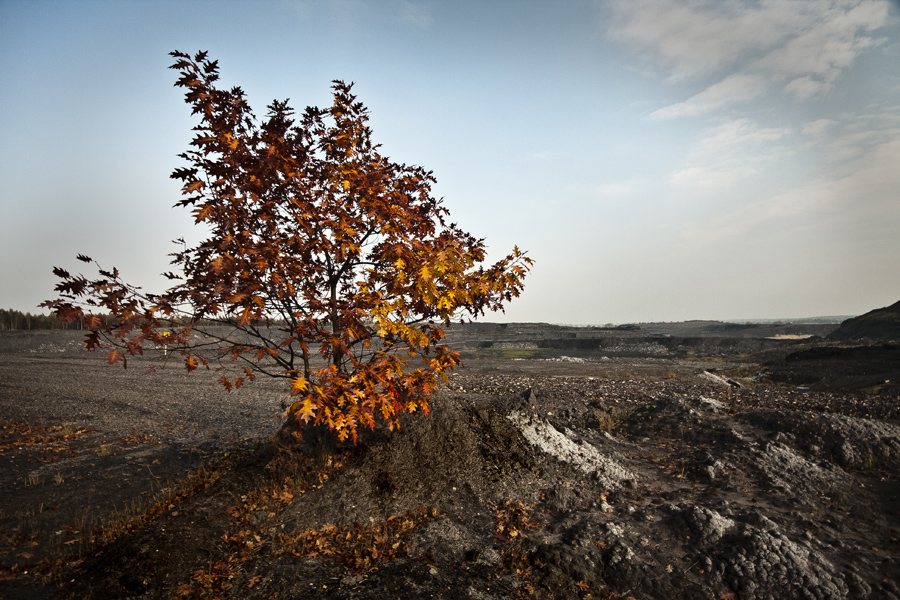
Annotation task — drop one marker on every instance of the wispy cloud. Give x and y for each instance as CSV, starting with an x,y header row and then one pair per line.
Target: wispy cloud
x,y
859,134
418,13
817,127
855,203
730,152
734,89
747,49
614,189
711,177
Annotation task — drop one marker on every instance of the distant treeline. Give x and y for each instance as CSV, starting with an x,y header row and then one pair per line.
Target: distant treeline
x,y
17,320
11,320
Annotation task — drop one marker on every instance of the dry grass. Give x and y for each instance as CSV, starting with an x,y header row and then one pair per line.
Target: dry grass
x,y
607,420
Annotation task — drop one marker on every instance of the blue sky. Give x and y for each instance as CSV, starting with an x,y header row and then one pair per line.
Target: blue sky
x,y
661,160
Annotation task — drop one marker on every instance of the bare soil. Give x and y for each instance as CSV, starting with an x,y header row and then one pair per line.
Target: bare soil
x,y
588,477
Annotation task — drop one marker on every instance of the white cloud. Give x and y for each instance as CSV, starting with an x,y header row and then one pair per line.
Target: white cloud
x,y
691,39
726,136
805,87
730,152
749,48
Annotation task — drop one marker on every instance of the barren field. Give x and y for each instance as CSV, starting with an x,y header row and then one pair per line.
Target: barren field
x,y
613,470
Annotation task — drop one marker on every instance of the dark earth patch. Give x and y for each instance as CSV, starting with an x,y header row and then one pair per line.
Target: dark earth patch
x,y
830,367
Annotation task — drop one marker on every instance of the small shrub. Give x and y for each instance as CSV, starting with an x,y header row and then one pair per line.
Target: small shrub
x,y
606,421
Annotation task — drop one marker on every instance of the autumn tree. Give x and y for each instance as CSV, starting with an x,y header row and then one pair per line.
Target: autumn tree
x,y
327,264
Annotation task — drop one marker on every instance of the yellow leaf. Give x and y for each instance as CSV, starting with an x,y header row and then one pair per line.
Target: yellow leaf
x,y
299,385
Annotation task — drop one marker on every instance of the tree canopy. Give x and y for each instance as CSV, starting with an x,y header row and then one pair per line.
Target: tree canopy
x,y
328,264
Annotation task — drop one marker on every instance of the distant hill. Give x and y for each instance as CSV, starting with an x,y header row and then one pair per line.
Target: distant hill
x,y
837,319
879,324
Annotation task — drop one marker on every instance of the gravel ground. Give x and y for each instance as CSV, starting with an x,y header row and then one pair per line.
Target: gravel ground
x,y
171,405
643,477
84,443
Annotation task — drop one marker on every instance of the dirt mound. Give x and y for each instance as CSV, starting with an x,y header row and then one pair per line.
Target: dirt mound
x,y
732,519
465,453
879,324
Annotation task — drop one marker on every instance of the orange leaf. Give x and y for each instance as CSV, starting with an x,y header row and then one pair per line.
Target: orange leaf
x,y
194,186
